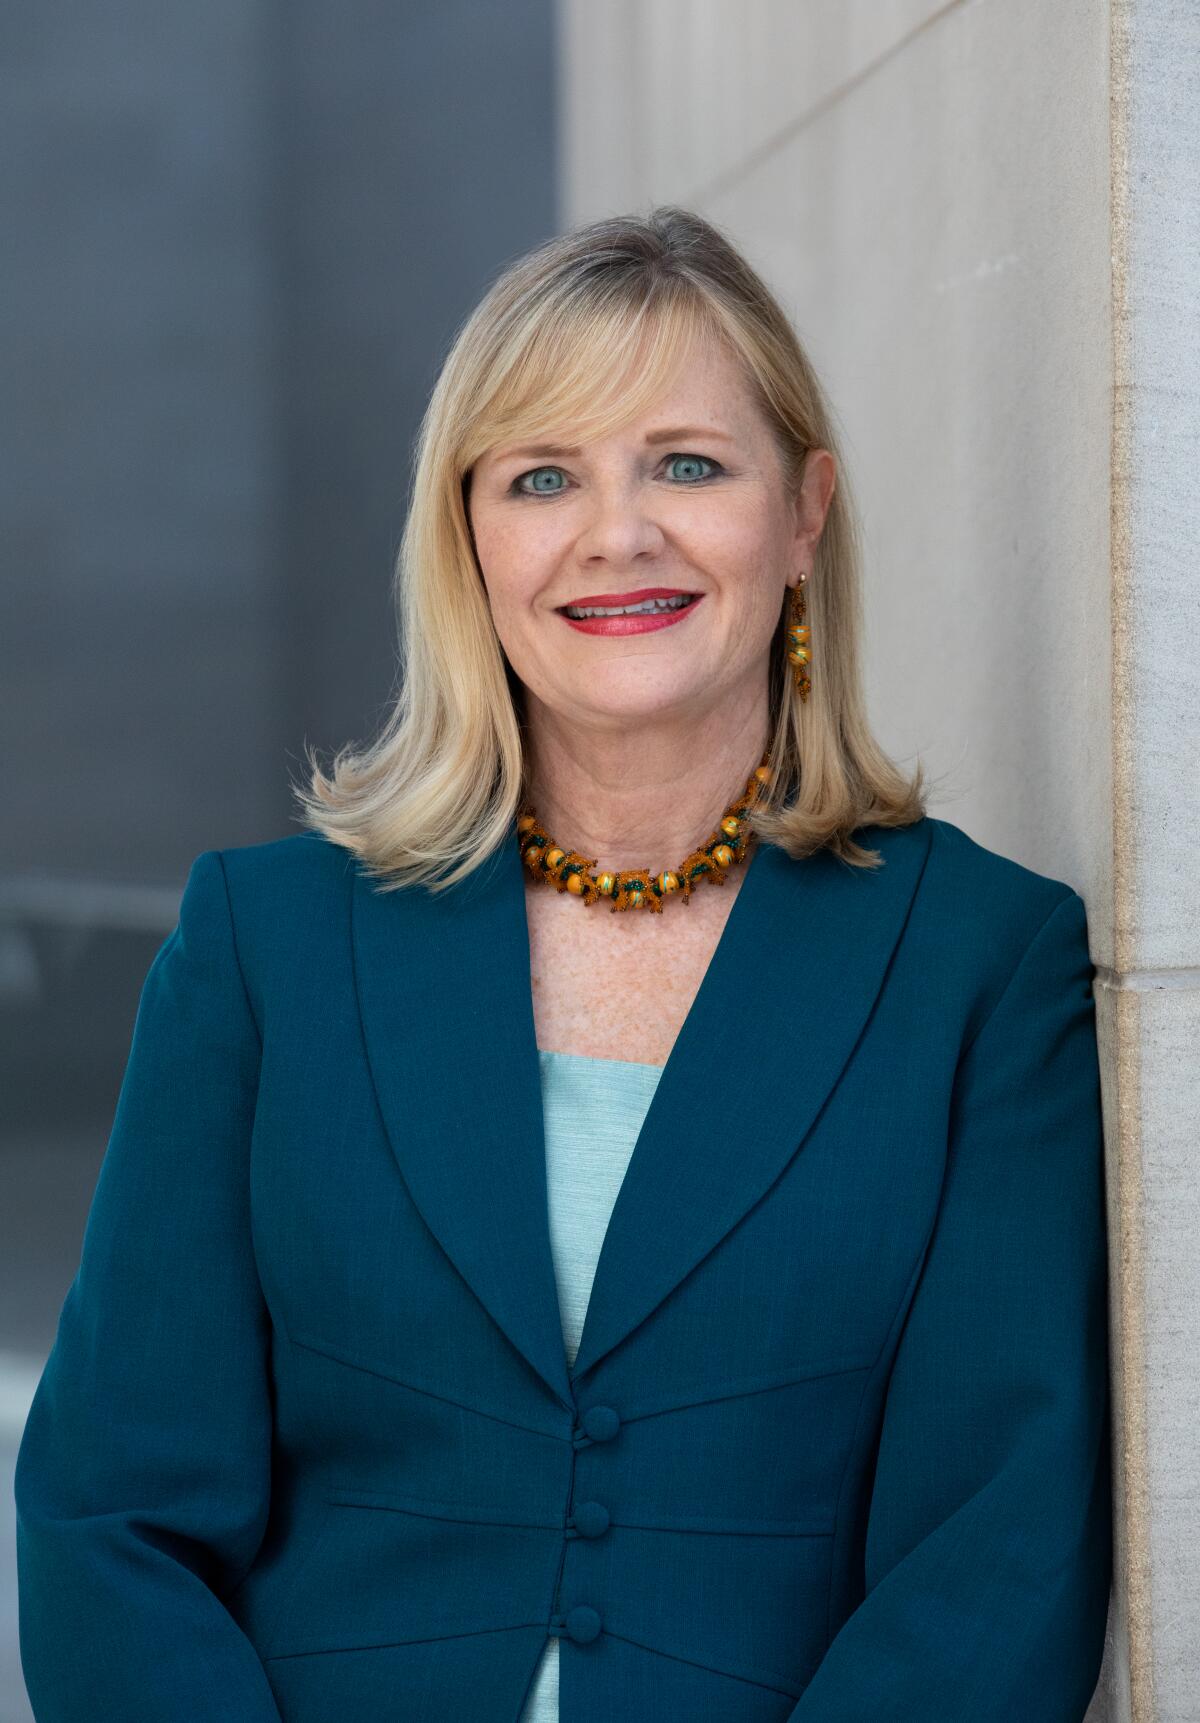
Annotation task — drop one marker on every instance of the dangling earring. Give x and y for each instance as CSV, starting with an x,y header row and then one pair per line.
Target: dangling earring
x,y
799,634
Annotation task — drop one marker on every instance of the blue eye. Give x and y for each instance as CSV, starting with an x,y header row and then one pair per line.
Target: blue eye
x,y
518,488
696,460
534,473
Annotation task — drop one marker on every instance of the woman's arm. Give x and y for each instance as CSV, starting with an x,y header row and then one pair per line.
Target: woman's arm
x,y
143,1477
988,1550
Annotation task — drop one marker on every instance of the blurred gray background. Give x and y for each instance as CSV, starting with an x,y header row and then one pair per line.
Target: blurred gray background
x,y
238,240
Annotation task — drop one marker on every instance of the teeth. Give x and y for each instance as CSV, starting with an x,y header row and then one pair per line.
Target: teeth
x,y
646,608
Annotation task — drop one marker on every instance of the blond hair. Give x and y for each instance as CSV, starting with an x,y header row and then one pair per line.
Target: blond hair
x,y
572,341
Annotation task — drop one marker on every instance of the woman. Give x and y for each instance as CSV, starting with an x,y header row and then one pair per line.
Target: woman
x,y
349,1415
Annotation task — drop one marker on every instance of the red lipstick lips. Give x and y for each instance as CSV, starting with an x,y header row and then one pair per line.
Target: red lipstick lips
x,y
638,597
643,623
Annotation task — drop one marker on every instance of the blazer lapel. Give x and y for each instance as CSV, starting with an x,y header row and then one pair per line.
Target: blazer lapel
x,y
447,1011
785,998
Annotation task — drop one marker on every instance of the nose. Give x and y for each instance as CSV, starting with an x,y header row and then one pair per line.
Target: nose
x,y
618,525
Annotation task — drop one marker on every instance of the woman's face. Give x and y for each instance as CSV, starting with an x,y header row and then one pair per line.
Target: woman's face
x,y
690,498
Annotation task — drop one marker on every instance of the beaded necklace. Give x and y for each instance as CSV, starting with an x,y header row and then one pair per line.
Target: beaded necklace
x,y
639,888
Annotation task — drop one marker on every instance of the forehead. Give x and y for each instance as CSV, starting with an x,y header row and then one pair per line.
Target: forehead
x,y
707,394
709,384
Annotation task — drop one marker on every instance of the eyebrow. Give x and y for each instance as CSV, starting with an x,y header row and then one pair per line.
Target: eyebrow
x,y
671,434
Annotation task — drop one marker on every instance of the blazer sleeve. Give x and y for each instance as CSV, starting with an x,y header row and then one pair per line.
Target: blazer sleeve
x,y
989,1533
142,1481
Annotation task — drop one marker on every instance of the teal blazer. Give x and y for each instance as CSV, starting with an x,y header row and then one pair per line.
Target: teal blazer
x,y
835,1446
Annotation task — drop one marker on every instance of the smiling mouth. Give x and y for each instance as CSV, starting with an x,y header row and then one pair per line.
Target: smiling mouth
x,y
647,607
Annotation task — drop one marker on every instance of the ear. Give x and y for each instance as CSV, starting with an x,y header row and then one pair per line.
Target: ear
x,y
811,505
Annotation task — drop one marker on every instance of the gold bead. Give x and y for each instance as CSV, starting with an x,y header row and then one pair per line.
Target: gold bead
x,y
569,871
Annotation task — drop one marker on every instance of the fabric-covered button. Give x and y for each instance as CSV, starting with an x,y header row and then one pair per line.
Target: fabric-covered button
x,y
601,1423
583,1624
591,1519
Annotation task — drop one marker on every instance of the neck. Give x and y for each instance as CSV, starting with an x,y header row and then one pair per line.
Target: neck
x,y
643,799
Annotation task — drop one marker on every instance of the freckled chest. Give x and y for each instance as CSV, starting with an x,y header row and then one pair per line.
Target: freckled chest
x,y
619,986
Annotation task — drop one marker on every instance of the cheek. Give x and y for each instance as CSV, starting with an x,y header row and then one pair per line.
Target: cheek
x,y
513,555
512,581
734,543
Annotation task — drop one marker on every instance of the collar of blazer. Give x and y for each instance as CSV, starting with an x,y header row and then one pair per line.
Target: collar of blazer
x,y
447,1011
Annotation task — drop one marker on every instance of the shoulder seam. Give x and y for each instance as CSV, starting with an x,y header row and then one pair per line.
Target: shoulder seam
x,y
1062,902
237,958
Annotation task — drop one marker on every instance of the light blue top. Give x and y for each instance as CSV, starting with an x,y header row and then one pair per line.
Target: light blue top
x,y
593,1111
